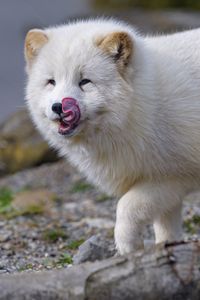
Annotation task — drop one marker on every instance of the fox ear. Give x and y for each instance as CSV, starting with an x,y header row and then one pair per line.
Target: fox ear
x,y
119,45
34,41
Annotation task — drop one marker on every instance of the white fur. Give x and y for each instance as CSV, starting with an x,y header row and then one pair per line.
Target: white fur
x,y
145,147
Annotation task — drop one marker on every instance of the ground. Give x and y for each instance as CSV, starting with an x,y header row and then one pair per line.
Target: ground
x,y
47,212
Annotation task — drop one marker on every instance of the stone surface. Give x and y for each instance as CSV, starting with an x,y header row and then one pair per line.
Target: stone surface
x,y
95,248
168,272
21,146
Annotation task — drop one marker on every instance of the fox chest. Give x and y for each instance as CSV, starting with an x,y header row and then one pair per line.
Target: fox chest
x,y
110,173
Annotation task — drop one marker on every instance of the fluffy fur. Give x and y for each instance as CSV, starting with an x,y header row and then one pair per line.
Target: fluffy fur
x,y
139,136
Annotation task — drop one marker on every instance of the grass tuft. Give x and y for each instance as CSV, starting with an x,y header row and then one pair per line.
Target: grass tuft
x,y
73,245
64,259
53,235
6,198
191,225
30,210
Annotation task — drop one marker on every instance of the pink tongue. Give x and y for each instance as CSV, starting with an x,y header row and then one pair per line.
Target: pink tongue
x,y
71,110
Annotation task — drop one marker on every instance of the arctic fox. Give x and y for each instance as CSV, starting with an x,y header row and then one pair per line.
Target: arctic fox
x,y
125,110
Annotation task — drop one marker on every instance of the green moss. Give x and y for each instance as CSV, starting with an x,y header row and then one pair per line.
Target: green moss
x,y
64,259
25,267
61,261
33,210
6,197
189,227
73,245
28,211
29,266
196,219
53,235
192,225
81,186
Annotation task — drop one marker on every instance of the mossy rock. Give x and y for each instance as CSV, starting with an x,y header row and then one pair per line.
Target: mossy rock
x,y
21,146
26,203
31,202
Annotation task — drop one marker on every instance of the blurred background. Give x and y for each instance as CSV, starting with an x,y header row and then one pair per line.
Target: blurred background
x,y
17,17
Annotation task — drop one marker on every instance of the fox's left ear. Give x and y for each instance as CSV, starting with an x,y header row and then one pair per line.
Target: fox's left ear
x,y
34,41
119,45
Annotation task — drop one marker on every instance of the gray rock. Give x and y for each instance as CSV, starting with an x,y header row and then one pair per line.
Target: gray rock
x,y
5,236
21,146
167,272
93,249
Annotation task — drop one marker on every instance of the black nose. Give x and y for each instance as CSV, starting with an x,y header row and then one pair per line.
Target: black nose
x,y
57,108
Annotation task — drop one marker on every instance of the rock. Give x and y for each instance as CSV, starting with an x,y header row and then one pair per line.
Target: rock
x,y
167,272
7,246
5,236
37,201
21,146
95,248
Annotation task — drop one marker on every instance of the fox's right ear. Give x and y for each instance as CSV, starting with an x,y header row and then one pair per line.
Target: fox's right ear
x,y
119,46
34,41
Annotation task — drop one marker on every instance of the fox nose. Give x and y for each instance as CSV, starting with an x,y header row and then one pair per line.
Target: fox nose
x,y
57,108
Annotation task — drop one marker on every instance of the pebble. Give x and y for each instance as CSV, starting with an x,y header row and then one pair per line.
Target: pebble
x,y
5,236
95,248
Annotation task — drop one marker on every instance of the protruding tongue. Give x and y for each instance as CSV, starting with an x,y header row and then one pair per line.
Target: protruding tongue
x,y
71,110
70,116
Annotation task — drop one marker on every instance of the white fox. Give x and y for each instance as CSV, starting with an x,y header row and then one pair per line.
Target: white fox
x,y
125,110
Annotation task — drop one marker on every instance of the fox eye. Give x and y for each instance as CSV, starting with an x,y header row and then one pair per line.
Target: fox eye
x,y
51,82
84,82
